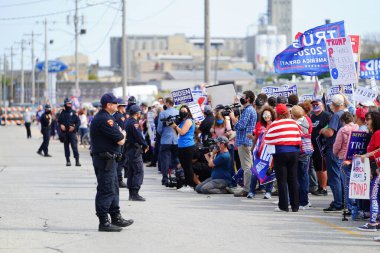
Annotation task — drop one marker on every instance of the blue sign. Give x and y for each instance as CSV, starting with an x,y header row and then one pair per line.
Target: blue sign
x,y
357,144
370,69
262,161
53,66
183,96
307,55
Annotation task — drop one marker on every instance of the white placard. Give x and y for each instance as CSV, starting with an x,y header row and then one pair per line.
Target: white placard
x,y
196,111
359,179
221,94
363,95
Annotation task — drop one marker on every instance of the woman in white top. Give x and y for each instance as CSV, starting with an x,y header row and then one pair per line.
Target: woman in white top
x,y
83,128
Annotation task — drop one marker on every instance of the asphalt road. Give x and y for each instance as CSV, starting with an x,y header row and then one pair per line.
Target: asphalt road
x,y
48,207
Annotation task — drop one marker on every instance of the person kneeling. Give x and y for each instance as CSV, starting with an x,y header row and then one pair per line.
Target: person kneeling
x,y
220,174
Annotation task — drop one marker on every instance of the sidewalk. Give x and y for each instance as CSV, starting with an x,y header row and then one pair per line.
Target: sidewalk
x,y
48,207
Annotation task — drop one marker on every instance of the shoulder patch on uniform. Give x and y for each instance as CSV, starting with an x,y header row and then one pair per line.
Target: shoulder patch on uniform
x,y
110,122
136,125
123,119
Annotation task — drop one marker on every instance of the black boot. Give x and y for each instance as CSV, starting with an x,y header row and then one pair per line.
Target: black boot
x,y
77,163
134,196
106,226
119,221
121,183
68,163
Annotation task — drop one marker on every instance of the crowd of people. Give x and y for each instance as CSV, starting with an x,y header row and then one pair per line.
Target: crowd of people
x,y
207,156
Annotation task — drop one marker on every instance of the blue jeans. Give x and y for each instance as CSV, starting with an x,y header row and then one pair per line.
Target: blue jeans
x,y
303,179
333,164
346,173
168,159
252,187
374,199
82,132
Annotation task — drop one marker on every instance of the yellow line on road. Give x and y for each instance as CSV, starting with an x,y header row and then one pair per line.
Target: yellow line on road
x,y
336,227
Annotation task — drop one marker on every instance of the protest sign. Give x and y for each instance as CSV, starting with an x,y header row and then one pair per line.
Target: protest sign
x,y
221,94
357,144
355,43
308,55
370,69
196,95
359,179
183,96
262,162
341,61
347,89
321,143
305,97
363,95
284,87
269,90
374,85
196,111
377,158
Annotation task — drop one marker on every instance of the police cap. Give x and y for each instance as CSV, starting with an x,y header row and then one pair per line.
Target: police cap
x,y
132,100
67,101
134,109
108,98
121,102
47,107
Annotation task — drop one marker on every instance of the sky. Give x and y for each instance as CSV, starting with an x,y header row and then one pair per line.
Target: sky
x,y
102,20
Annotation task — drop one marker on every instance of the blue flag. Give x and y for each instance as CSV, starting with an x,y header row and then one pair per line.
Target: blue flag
x,y
308,55
370,69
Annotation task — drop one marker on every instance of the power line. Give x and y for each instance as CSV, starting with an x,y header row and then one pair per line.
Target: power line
x,y
22,4
154,14
52,13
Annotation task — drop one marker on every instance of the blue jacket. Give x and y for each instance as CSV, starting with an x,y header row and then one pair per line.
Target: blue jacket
x,y
168,134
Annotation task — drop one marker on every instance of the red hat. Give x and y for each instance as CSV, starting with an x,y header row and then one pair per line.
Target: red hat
x,y
281,109
361,112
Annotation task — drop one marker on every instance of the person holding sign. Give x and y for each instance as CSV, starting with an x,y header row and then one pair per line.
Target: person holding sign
x,y
340,149
373,123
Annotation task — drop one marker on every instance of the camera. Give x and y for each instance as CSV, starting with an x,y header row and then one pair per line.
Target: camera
x,y
176,181
208,146
170,120
233,107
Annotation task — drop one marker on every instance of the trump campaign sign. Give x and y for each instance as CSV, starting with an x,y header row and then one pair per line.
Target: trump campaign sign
x,y
359,179
308,55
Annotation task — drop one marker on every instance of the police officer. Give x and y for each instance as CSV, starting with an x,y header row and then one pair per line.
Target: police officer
x,y
69,123
131,101
135,146
45,120
121,118
106,141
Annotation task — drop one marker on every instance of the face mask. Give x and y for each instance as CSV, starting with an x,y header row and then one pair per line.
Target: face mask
x,y
219,121
165,107
183,114
267,116
243,101
67,107
316,108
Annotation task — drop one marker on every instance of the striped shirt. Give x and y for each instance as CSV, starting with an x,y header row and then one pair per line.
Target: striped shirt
x,y
284,132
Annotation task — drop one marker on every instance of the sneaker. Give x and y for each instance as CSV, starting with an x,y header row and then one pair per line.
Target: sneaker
x,y
304,207
332,209
275,202
267,195
322,193
368,227
181,189
186,189
277,209
229,190
250,195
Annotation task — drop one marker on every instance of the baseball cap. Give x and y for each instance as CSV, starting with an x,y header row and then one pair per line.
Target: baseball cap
x,y
108,98
316,100
338,100
134,109
222,139
360,113
281,109
281,100
121,102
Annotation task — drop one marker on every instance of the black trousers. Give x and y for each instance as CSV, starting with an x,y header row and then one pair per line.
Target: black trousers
x,y
71,139
135,169
28,132
185,156
45,143
286,165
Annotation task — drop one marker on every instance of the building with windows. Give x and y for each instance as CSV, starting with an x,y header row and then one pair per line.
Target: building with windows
x,y
280,15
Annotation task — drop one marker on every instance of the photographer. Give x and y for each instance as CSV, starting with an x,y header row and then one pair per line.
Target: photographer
x,y
243,127
220,175
186,144
206,124
169,140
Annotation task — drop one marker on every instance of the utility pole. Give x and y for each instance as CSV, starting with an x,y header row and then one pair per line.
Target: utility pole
x,y
46,67
11,86
22,100
207,43
77,92
33,98
124,52
5,79
2,90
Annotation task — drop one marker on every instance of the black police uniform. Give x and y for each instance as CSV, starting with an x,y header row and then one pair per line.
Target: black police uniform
x,y
135,146
69,117
121,119
105,134
45,121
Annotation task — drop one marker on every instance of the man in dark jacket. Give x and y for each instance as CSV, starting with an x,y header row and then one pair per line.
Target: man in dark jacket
x,y
45,131
207,123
